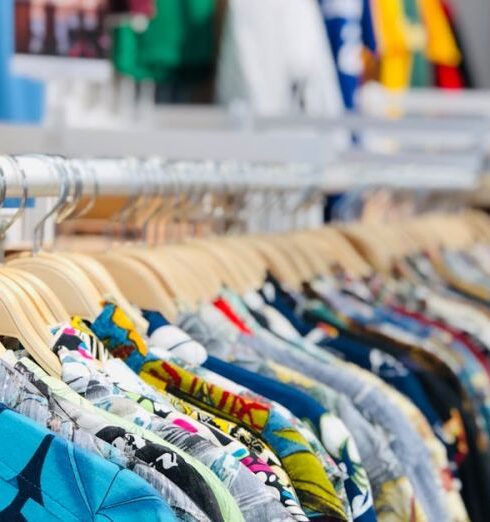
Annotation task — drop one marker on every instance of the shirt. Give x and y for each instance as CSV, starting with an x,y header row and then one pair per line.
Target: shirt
x,y
384,471
193,477
406,443
314,489
237,440
47,478
274,74
344,30
254,500
303,406
25,393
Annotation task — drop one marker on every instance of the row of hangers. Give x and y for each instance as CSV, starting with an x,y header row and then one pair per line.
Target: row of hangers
x,y
41,289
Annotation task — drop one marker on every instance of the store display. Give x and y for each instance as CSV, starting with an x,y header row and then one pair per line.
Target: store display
x,y
182,335
323,374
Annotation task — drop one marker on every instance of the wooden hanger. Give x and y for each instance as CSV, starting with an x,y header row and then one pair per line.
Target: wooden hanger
x,y
107,287
172,274
73,288
369,246
29,292
311,250
49,297
277,264
479,222
321,252
16,321
231,268
236,262
41,319
289,250
254,260
203,266
250,264
338,251
139,284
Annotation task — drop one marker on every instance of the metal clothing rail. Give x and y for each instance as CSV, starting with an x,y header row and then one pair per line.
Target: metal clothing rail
x,y
325,151
44,176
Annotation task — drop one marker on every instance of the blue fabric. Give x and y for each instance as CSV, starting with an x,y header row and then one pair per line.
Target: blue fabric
x,y
155,320
43,477
343,26
283,304
374,406
367,24
296,401
21,99
391,370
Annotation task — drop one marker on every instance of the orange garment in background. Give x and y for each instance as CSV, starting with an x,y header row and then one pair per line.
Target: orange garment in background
x,y
441,42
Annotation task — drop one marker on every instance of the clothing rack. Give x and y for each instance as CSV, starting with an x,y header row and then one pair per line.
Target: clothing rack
x,y
326,150
44,176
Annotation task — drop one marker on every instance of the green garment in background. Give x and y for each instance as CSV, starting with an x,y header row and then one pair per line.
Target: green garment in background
x,y
421,68
179,38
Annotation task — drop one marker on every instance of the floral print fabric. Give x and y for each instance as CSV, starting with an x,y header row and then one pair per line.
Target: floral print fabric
x,y
255,501
24,390
236,440
312,485
188,475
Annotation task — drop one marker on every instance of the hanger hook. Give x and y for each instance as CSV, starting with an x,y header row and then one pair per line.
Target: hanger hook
x,y
72,202
83,167
156,170
23,198
6,224
121,217
3,187
64,192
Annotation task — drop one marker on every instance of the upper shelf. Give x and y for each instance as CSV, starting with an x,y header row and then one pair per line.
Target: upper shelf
x,y
47,68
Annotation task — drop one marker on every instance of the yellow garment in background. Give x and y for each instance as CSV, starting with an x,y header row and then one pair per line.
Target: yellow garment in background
x,y
398,39
441,43
393,43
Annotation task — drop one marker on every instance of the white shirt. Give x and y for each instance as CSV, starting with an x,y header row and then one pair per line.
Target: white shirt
x,y
269,47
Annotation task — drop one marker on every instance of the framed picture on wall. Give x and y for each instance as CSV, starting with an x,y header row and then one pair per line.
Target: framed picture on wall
x,y
66,28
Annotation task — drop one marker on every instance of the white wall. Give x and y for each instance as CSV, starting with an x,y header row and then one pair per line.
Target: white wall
x,y
474,20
